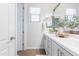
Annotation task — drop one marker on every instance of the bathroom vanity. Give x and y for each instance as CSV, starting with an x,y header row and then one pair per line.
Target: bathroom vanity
x,y
57,46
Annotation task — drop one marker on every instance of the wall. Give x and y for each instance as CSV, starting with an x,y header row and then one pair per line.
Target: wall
x,y
33,36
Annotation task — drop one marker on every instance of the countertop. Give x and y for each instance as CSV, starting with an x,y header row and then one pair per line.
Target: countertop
x,y
70,43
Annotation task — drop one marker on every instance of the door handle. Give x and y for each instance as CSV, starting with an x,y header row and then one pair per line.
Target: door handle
x,y
12,38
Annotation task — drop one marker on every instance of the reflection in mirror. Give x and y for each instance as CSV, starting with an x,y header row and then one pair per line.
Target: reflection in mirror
x,y
68,13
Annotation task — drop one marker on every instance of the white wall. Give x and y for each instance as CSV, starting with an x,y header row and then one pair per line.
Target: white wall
x,y
33,36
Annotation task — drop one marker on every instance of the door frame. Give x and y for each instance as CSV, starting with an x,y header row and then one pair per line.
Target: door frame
x,y
24,26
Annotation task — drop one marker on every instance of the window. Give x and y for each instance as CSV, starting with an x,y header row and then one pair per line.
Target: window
x,y
70,13
35,14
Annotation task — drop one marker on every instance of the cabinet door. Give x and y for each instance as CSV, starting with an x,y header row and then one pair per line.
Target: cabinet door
x,y
49,46
59,51
65,53
45,43
44,40
53,49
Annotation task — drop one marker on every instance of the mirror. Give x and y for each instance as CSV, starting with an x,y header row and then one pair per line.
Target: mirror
x,y
68,13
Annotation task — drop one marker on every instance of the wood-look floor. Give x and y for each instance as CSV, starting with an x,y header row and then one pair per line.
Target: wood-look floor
x,y
31,52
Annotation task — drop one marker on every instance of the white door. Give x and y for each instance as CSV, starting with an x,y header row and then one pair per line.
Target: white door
x,y
34,30
7,29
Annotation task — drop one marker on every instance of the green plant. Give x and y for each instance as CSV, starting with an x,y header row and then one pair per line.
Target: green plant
x,y
71,22
68,22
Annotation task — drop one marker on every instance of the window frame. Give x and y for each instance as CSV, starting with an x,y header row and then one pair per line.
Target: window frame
x,y
34,14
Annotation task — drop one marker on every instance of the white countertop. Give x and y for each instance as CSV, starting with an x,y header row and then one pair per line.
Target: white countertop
x,y
70,43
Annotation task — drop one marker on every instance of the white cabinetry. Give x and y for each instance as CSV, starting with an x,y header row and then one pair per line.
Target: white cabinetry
x,y
54,49
45,43
59,51
49,45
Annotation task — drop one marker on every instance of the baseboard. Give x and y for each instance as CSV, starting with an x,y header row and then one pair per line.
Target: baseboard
x,y
34,48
